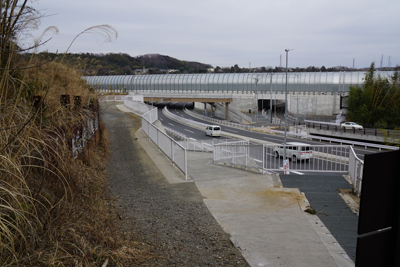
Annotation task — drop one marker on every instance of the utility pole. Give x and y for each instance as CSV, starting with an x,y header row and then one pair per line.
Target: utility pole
x,y
270,103
286,106
256,96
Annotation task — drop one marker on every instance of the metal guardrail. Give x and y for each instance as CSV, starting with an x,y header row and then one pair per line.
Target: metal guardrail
x,y
356,167
340,141
173,150
208,145
108,98
322,122
303,136
337,128
215,121
263,158
175,133
236,112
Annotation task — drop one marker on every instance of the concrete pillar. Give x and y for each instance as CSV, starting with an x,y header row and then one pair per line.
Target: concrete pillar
x,y
226,110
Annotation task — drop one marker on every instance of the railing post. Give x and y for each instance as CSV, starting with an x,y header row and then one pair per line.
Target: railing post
x,y
263,157
247,152
185,151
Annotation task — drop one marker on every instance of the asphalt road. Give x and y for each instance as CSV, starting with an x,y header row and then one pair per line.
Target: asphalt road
x,y
315,166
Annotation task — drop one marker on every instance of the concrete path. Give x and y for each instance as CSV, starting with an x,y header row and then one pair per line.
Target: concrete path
x,y
265,221
321,191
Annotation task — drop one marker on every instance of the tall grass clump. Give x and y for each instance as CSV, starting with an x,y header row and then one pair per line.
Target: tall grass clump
x,y
54,209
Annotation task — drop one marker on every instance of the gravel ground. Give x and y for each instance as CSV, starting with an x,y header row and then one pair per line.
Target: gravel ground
x,y
170,219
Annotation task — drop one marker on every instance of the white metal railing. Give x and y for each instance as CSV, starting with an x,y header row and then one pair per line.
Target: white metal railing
x,y
151,115
236,114
174,151
356,167
263,158
322,122
142,108
108,98
175,133
193,123
340,141
208,145
214,121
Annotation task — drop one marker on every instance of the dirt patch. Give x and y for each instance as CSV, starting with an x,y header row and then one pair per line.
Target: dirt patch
x,y
350,193
280,198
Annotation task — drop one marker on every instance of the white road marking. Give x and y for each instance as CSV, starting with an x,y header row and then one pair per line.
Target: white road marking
x,y
269,137
229,130
188,131
299,173
170,124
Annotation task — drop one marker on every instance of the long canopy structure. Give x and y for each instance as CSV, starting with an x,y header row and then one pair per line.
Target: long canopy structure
x,y
312,82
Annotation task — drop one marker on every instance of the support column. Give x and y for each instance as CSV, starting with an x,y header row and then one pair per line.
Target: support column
x,y
226,110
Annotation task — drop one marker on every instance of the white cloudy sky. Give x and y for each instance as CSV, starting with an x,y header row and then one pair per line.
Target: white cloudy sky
x,y
227,32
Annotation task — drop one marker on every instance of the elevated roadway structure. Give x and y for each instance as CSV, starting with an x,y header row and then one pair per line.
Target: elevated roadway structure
x,y
309,93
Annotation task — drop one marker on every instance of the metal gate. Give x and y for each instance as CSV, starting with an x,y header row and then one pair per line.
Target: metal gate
x,y
263,158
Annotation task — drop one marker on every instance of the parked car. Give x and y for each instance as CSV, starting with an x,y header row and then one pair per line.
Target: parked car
x,y
294,151
213,130
351,125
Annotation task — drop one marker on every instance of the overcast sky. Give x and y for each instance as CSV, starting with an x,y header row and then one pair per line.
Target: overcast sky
x,y
227,32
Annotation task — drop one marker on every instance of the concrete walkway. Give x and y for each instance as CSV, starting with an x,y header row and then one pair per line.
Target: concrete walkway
x,y
266,222
322,192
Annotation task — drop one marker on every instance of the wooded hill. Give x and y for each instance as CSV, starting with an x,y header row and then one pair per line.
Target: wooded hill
x,y
91,64
120,64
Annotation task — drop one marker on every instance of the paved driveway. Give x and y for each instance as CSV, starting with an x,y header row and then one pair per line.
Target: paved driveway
x,y
321,191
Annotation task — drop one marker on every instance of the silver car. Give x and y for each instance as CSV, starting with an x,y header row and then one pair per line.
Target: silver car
x,y
294,150
351,125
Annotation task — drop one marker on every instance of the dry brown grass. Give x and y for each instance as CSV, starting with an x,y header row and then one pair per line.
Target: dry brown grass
x,y
54,209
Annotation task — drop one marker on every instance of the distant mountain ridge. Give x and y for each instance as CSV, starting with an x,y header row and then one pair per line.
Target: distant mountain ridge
x,y
91,64
122,63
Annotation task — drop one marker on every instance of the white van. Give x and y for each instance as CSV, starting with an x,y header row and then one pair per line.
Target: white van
x,y
213,130
295,151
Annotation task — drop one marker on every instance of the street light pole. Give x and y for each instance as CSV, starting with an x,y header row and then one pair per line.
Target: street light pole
x,y
297,120
270,102
256,97
286,92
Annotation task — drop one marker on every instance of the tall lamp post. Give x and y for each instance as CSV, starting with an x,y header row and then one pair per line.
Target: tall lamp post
x,y
286,92
270,102
256,95
297,120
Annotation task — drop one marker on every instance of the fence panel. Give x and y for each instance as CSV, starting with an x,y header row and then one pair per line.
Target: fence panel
x,y
166,144
264,158
356,167
207,145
